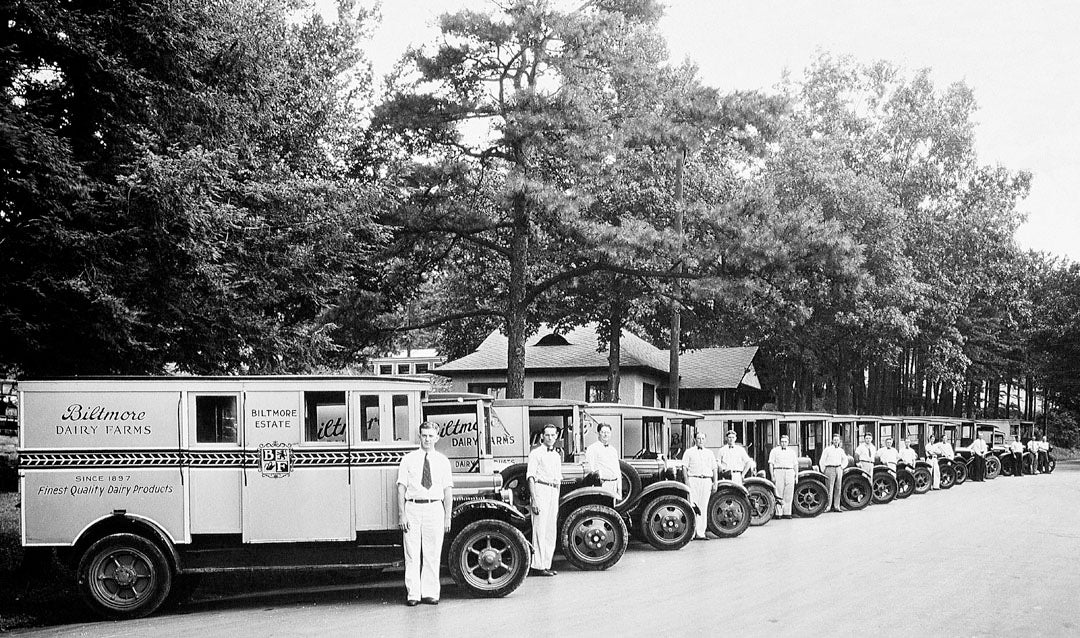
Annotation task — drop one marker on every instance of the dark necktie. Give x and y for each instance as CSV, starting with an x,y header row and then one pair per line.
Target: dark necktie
x,y
425,480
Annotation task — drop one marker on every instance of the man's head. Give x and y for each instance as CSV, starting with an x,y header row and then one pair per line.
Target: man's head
x,y
836,440
429,434
551,433
699,439
888,441
868,439
783,441
603,433
731,436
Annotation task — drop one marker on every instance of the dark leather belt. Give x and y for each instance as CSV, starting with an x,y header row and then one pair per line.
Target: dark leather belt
x,y
700,476
546,483
783,468
608,480
833,466
424,500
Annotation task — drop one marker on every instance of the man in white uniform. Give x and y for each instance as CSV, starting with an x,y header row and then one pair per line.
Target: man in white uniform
x,y
888,455
1044,455
602,459
700,464
907,454
1016,448
933,453
544,474
733,458
978,459
783,468
864,454
833,460
425,484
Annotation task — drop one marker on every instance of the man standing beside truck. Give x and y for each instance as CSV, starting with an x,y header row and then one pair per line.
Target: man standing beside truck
x,y
864,454
783,468
833,460
978,459
602,459
544,474
733,458
700,464
425,503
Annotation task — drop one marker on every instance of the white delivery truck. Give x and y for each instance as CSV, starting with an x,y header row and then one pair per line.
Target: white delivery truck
x,y
139,480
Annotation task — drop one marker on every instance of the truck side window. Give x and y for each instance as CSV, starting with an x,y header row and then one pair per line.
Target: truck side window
x,y
325,420
402,429
215,419
369,417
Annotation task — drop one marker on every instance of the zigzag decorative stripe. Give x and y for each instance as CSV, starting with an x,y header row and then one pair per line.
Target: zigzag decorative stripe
x,y
186,458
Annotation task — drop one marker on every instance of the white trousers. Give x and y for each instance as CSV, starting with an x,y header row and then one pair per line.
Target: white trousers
x,y
935,474
868,467
785,489
700,491
613,486
544,524
423,549
736,477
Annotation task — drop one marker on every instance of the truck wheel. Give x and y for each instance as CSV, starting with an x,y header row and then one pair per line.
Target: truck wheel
x,y
514,480
631,484
489,558
856,492
811,499
593,537
667,522
905,484
729,513
961,469
948,476
762,504
923,480
1050,463
124,576
886,487
993,467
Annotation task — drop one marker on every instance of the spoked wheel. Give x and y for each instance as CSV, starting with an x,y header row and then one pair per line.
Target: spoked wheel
x,y
124,576
762,504
1051,463
729,513
856,492
885,487
810,500
905,484
514,479
948,476
489,558
961,469
631,484
993,467
593,537
667,522
924,480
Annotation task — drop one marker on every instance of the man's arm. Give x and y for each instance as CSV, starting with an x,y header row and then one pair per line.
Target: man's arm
x,y
403,522
448,505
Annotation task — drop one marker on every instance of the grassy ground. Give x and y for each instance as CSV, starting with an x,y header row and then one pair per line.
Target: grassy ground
x,y
1065,453
37,589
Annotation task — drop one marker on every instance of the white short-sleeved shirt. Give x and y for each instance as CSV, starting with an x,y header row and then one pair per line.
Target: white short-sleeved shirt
x,y
978,446
411,473
545,465
865,453
699,461
732,457
603,459
780,458
907,455
833,455
889,456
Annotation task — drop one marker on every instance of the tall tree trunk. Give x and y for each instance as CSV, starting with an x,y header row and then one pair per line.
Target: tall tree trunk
x,y
615,324
843,382
517,309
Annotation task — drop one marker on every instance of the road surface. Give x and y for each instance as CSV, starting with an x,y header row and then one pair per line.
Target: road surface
x,y
982,559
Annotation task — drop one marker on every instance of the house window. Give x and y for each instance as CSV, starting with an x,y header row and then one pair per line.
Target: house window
x,y
421,368
596,391
386,369
496,390
325,420
403,368
547,390
648,394
215,419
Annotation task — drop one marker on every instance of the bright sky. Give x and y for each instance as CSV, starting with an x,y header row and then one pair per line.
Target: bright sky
x,y
1019,57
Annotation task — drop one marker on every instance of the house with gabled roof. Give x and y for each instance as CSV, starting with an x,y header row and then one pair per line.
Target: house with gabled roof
x,y
572,365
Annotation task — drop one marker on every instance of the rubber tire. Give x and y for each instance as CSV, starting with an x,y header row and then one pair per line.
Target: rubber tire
x,y
812,492
924,479
762,504
729,513
905,484
948,476
514,480
490,539
674,513
993,467
95,562
856,492
961,472
885,488
631,484
576,529
1050,464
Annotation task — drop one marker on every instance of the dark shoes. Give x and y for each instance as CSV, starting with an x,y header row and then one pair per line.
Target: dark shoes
x,y
412,603
701,538
430,601
542,572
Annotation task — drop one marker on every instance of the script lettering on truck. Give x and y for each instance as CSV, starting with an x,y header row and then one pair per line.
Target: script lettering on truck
x,y
103,420
458,432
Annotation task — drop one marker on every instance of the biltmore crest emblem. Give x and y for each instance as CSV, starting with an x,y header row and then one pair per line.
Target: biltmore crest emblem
x,y
275,459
